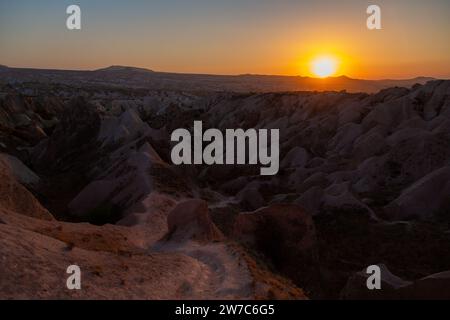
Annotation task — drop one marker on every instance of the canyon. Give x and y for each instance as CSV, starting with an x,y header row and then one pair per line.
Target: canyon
x,y
87,179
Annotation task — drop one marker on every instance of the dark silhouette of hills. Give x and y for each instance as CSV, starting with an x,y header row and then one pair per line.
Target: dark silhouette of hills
x,y
123,69
144,78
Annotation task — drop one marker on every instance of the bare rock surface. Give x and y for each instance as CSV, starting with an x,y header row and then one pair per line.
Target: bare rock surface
x,y
427,198
285,234
15,197
432,287
190,220
363,178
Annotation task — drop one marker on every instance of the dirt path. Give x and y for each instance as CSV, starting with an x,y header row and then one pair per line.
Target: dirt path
x,y
228,276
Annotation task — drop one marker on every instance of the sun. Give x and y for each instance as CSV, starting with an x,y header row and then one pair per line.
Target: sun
x,y
324,66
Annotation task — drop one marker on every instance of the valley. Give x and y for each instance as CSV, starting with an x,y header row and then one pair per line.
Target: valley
x,y
87,178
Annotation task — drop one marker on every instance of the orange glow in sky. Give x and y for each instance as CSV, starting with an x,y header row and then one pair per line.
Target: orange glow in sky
x,y
232,37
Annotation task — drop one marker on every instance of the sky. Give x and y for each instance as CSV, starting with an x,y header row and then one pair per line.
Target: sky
x,y
279,37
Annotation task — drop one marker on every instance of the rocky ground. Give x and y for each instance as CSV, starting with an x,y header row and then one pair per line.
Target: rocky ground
x,y
86,178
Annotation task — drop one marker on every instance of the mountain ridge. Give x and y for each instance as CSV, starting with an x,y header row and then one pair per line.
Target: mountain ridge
x,y
134,77
123,68
141,69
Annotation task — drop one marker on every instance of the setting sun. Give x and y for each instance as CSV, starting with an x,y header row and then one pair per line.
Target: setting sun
x,y
324,67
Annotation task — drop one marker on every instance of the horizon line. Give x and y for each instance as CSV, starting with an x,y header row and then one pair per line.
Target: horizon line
x,y
225,75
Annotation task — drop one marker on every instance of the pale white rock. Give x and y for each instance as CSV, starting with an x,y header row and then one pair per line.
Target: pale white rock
x,y
356,287
437,122
440,97
151,152
127,180
21,172
370,144
344,138
425,198
390,113
367,174
405,134
350,114
123,129
297,177
442,127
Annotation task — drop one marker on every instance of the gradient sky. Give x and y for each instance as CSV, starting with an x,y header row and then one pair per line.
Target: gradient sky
x,y
230,37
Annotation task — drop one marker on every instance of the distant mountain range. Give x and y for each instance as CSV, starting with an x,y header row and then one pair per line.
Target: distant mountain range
x,y
143,78
124,69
